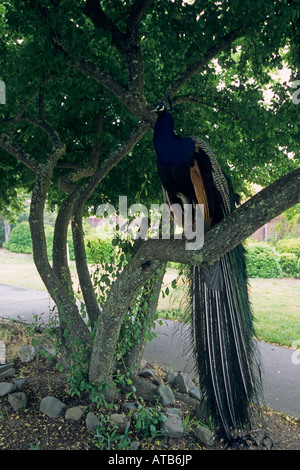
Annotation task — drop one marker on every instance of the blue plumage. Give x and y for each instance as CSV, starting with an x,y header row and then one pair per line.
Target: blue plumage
x,y
171,150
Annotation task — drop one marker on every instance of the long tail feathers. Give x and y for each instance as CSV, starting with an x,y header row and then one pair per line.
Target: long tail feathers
x,y
226,353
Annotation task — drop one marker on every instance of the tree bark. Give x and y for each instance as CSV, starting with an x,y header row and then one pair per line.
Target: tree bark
x,y
146,313
86,285
120,297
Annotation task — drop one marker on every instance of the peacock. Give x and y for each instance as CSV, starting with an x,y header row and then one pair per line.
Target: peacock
x,y
225,349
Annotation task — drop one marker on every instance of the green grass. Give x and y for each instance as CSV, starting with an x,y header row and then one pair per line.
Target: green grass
x,y
276,302
276,306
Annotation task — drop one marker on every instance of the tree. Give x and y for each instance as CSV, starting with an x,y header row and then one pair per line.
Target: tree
x,y
77,131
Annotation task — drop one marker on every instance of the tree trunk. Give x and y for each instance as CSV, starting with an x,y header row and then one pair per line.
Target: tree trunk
x,y
6,230
120,297
86,285
68,311
146,312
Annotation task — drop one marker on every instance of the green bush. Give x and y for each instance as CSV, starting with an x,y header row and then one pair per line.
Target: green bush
x,y
20,239
262,261
290,265
99,250
289,245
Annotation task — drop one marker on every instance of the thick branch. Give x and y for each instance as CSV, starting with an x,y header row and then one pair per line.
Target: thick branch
x,y
94,11
14,149
137,11
102,77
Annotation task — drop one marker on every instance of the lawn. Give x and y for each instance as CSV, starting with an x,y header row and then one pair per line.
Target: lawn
x,y
276,302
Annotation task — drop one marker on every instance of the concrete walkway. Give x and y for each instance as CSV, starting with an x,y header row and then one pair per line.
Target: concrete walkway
x,y
281,366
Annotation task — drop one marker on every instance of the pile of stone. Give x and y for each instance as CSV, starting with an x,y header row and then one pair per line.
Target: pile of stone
x,y
149,387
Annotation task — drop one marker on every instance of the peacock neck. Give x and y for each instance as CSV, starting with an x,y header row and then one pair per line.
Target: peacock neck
x,y
171,149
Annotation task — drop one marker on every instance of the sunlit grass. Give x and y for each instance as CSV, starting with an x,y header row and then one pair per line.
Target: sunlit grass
x,y
275,303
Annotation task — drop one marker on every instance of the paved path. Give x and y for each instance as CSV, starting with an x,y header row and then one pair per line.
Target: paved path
x,y
281,366
24,304
280,375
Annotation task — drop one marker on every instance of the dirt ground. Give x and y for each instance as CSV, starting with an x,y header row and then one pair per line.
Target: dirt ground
x,y
30,429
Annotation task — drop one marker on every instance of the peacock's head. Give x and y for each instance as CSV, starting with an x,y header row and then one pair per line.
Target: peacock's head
x,y
160,109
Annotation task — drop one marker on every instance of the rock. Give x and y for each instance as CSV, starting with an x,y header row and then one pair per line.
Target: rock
x,y
26,353
172,426
18,401
46,352
128,406
6,388
8,373
135,445
202,412
5,367
157,381
185,398
20,383
175,411
165,394
144,389
183,382
195,393
121,421
52,407
204,435
147,373
92,422
75,413
171,376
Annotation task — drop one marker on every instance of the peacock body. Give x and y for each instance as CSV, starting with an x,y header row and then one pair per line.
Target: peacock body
x,y
223,333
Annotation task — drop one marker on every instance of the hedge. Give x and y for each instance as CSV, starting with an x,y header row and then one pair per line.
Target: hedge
x,y
20,239
262,261
289,245
289,264
98,250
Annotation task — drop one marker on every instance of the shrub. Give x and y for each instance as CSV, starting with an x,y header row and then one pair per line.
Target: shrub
x,y
290,265
262,261
289,245
20,239
99,250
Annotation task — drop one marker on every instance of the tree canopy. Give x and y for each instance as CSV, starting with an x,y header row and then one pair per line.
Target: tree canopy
x,y
88,70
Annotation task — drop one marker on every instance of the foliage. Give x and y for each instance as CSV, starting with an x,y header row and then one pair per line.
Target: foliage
x,y
20,239
289,245
147,420
262,261
99,250
290,265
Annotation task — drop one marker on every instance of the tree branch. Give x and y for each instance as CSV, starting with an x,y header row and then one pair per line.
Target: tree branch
x,y
89,68
15,150
121,152
94,11
212,52
137,11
